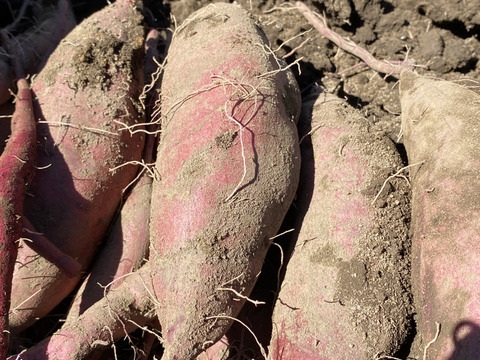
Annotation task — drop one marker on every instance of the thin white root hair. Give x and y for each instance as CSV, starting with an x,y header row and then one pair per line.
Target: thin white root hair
x,y
141,130
292,38
152,297
19,356
147,167
262,350
281,234
310,132
150,168
240,134
254,302
146,329
12,311
282,7
294,50
439,327
79,127
113,342
232,280
154,79
281,68
279,268
397,174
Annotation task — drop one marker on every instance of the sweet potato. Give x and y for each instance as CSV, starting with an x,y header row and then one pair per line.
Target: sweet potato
x,y
125,249
16,167
121,311
31,47
441,135
85,94
228,162
345,290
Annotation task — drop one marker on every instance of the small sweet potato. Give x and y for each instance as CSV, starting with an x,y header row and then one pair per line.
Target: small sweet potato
x,y
228,162
85,97
442,135
345,290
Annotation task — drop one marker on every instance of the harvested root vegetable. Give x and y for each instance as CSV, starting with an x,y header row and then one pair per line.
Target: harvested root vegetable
x,y
121,311
32,47
442,136
86,96
125,249
16,167
345,290
228,163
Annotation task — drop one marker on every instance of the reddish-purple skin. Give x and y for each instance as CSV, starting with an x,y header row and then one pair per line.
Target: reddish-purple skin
x,y
441,133
74,193
109,319
16,165
205,234
302,303
126,247
314,314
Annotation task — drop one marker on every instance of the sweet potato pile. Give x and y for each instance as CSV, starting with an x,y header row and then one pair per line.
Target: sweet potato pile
x,y
189,203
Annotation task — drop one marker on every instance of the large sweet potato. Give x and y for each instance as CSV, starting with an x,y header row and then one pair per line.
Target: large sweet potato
x,y
229,163
90,83
442,135
345,290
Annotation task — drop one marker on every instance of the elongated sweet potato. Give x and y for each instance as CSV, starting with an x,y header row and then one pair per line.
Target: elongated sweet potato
x,y
442,135
125,249
89,86
228,162
345,290
16,168
123,309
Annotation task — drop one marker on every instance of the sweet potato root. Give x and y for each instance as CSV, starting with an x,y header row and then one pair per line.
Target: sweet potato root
x,y
345,290
228,162
88,89
441,135
121,311
16,167
126,247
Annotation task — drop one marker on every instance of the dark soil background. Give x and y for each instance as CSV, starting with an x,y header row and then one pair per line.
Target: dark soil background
x,y
441,36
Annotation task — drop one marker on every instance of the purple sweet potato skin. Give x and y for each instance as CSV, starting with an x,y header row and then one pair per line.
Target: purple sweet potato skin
x,y
16,167
92,80
441,135
213,213
110,319
332,303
